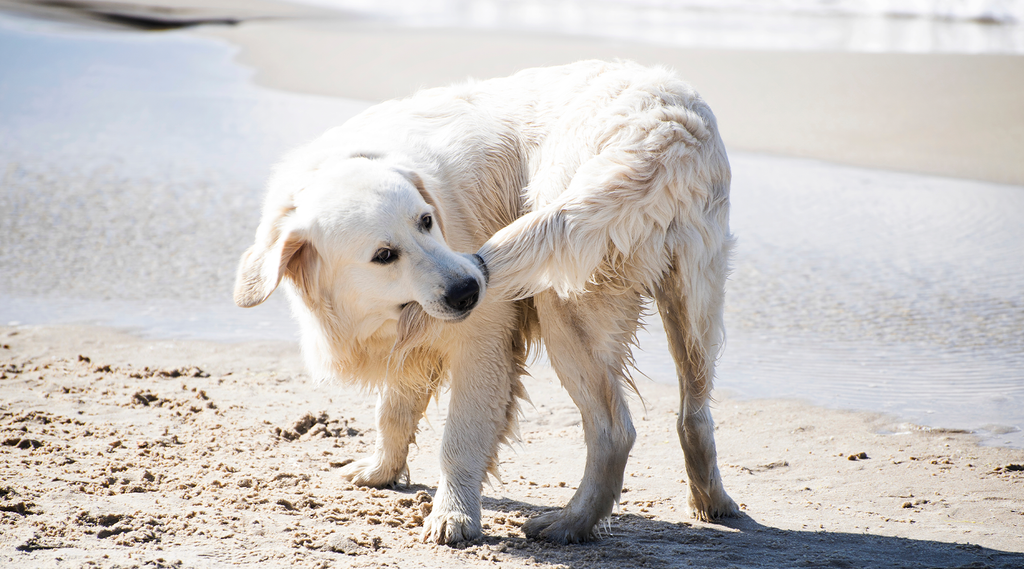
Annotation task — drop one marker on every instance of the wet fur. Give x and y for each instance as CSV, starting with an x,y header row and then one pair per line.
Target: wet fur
x,y
584,190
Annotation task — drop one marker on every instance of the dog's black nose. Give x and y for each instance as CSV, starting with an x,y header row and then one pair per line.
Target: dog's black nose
x,y
463,295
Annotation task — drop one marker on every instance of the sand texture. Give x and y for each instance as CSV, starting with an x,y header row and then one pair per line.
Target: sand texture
x,y
120,452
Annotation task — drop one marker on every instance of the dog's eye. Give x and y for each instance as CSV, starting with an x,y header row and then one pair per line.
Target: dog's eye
x,y
385,256
426,222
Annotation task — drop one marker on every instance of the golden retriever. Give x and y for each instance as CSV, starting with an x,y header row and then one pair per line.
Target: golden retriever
x,y
431,241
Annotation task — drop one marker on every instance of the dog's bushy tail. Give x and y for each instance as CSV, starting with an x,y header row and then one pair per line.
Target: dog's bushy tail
x,y
646,174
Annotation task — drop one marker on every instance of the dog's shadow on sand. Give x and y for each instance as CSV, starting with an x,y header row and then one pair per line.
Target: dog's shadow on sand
x,y
636,541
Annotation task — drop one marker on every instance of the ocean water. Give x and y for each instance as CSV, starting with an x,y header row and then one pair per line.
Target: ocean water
x,y
908,26
131,175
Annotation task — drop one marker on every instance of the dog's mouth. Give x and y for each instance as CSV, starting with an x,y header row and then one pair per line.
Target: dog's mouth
x,y
454,318
451,317
482,265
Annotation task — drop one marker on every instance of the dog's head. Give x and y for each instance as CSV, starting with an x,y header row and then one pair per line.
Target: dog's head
x,y
359,240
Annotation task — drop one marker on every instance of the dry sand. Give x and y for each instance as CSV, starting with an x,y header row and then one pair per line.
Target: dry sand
x,y
951,115
121,452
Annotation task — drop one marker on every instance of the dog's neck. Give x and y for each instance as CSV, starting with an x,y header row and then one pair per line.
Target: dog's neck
x,y
371,351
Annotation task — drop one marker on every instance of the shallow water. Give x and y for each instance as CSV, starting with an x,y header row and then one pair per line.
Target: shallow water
x,y
133,164
132,169
875,290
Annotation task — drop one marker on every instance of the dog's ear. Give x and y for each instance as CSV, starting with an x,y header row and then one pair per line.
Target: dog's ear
x,y
263,265
427,195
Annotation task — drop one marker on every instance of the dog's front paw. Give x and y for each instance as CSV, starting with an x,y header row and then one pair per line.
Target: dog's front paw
x,y
708,509
370,472
450,527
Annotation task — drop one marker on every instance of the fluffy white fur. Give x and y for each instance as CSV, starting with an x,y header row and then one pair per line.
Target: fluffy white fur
x,y
565,196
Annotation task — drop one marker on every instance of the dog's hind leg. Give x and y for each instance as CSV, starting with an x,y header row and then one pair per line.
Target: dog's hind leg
x,y
398,413
690,299
588,341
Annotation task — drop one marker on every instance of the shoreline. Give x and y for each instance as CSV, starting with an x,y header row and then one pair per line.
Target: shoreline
x,y
951,115
131,450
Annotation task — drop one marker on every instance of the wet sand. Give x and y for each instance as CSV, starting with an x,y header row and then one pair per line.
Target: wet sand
x,y
130,453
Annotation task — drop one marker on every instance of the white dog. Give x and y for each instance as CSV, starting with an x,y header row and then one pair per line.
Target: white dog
x,y
429,241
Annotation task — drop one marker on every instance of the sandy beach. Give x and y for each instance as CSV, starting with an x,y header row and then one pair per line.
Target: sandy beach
x,y
128,450
944,114
120,452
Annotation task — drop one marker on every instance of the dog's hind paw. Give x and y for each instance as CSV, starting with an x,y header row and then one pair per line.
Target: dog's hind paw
x,y
709,510
450,527
560,527
370,472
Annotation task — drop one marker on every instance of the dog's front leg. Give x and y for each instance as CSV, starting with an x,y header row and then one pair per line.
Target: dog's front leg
x,y
482,414
398,413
